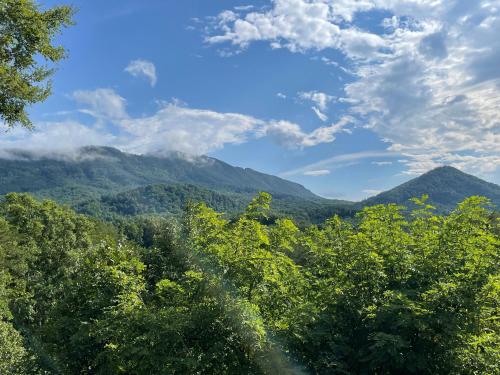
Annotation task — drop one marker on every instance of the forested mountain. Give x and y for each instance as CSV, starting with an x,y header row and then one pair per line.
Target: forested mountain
x,y
445,186
107,183
171,200
92,171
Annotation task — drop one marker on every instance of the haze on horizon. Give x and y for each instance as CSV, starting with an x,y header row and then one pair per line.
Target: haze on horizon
x,y
345,97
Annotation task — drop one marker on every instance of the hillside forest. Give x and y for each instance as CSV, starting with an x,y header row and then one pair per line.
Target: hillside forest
x,y
384,293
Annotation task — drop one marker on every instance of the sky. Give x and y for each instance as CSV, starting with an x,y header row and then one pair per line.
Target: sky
x,y
348,98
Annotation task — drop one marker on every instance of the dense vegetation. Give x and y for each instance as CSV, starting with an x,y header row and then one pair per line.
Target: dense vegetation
x,y
171,200
385,294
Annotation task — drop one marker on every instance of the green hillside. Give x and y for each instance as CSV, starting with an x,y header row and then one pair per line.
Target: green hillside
x,y
171,200
107,183
93,171
445,186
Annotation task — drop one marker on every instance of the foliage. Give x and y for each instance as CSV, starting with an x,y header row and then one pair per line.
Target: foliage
x,y
171,200
387,294
27,34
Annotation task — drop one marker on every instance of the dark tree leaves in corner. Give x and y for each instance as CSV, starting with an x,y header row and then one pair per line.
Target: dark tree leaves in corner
x,y
26,36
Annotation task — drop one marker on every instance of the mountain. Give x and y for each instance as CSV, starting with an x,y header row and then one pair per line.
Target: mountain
x,y
93,171
160,199
446,186
108,183
171,200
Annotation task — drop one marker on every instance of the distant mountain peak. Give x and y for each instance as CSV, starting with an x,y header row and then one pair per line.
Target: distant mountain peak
x,y
446,186
445,168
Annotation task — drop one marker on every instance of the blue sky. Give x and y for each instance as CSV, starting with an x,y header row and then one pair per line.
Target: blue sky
x,y
346,97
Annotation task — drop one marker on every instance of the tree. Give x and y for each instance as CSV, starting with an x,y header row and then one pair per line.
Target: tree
x,y
26,36
396,292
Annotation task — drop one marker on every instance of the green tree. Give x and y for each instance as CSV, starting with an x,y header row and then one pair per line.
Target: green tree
x,y
396,292
26,36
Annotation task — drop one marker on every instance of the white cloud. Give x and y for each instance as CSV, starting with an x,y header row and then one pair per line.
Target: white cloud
x,y
320,114
429,84
102,103
144,68
321,101
318,172
337,161
290,135
49,137
243,7
197,131
174,127
281,95
381,163
299,25
193,131
319,98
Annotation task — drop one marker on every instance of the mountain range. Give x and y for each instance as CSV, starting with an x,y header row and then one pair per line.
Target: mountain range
x,y
106,182
96,170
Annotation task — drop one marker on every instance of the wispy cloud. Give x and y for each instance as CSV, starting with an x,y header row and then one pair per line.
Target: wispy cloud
x,y
372,192
290,135
142,68
101,103
320,100
318,172
337,161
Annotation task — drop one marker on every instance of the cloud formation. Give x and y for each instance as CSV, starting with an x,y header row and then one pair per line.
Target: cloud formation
x,y
101,103
372,192
337,161
142,68
318,172
290,135
321,101
427,81
49,138
173,127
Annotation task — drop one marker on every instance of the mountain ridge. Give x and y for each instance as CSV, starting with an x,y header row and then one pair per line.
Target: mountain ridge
x,y
104,181
446,186
93,170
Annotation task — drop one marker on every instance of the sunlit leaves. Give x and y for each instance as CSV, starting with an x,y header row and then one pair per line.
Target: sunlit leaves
x,y
394,292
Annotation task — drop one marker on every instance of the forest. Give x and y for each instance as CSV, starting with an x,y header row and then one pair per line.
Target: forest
x,y
389,292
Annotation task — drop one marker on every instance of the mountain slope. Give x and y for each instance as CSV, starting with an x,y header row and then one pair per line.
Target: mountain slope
x,y
105,182
93,171
172,199
446,186
160,199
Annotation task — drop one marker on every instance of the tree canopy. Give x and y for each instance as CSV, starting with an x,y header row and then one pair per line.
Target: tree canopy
x,y
385,294
26,43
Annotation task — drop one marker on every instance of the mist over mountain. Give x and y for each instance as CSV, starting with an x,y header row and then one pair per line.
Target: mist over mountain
x,y
91,171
